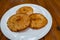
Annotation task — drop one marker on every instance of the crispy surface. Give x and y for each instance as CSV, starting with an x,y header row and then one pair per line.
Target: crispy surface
x,y
18,22
37,21
25,10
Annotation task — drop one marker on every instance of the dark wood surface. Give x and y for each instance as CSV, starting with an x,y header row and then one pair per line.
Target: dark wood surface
x,y
53,6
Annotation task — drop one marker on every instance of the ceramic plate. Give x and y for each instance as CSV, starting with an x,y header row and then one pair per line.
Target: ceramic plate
x,y
29,34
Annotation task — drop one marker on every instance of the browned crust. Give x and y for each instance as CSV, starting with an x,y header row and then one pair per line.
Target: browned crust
x,y
36,17
25,10
12,20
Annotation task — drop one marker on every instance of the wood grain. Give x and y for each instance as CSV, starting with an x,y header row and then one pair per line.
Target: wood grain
x,y
53,6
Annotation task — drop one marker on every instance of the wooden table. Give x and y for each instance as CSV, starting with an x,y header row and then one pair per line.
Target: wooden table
x,y
53,6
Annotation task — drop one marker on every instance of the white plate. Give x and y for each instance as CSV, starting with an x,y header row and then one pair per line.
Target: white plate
x,y
29,34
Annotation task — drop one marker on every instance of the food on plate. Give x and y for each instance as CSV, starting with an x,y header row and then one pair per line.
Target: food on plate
x,y
37,21
18,22
25,10
24,18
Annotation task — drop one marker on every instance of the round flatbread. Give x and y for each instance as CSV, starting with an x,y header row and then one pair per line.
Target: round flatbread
x,y
37,21
18,22
25,10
